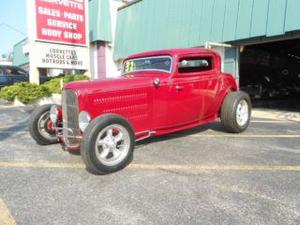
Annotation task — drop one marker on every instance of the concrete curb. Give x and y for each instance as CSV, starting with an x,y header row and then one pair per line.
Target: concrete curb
x,y
276,115
53,99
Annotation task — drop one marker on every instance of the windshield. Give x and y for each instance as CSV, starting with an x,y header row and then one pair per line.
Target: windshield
x,y
158,63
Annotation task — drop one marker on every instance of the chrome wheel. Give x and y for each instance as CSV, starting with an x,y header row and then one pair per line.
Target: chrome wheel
x,y
242,113
43,126
112,145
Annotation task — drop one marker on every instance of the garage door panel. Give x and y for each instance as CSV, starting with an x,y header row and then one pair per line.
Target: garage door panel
x,y
231,14
206,20
218,21
292,21
259,17
195,22
244,19
276,17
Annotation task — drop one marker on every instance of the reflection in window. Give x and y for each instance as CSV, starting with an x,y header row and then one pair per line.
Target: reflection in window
x,y
3,79
194,65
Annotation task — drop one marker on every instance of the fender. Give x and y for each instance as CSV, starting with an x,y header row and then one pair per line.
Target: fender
x,y
228,84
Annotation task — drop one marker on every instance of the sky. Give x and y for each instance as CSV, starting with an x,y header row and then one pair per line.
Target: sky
x,y
12,17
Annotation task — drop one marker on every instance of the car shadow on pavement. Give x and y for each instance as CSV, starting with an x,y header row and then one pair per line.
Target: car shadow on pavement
x,y
11,130
214,126
16,122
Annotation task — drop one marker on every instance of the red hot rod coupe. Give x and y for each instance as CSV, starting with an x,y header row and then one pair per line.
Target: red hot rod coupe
x,y
159,92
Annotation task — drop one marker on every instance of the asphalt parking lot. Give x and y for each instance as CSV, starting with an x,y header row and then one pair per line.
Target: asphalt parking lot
x,y
200,176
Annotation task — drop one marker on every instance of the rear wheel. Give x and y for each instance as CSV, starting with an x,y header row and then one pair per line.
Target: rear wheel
x,y
107,145
236,112
40,126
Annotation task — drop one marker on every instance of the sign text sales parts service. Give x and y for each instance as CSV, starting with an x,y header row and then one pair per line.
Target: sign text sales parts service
x,y
61,21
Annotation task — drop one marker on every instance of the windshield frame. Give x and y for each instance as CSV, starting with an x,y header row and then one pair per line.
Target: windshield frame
x,y
148,57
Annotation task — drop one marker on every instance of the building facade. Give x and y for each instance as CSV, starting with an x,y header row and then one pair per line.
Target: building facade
x,y
258,40
155,24
21,54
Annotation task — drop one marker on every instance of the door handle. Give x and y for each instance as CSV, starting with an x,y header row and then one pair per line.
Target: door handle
x,y
156,82
178,88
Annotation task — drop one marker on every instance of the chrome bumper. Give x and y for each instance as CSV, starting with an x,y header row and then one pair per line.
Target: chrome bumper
x,y
63,139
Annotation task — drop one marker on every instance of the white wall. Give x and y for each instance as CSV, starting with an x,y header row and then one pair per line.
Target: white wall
x,y
93,61
112,68
54,72
5,63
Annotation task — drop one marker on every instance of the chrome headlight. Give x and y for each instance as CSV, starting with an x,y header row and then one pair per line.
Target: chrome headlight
x,y
84,120
54,114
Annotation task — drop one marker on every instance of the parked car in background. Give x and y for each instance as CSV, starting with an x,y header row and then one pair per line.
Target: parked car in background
x,y
159,93
12,74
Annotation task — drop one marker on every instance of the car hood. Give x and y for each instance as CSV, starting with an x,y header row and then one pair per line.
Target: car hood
x,y
109,84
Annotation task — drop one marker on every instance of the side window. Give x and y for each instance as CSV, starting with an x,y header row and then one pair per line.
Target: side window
x,y
8,71
19,72
195,65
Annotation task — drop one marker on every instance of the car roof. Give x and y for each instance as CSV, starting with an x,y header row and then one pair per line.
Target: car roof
x,y
172,52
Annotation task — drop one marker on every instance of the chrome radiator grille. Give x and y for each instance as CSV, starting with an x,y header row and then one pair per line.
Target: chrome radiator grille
x,y
70,117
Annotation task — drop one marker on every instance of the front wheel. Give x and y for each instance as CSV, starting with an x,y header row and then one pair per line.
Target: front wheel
x,y
107,145
236,112
40,126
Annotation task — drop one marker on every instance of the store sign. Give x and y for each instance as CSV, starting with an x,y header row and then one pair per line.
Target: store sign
x,y
61,56
61,21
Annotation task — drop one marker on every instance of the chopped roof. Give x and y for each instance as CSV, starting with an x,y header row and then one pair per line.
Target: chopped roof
x,y
172,52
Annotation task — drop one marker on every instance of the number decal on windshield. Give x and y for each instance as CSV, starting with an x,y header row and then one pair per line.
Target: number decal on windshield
x,y
129,66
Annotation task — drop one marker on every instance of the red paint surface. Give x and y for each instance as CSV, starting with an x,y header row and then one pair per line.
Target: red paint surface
x,y
161,109
53,8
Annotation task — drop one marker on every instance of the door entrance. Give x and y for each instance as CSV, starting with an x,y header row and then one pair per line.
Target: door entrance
x,y
230,58
270,74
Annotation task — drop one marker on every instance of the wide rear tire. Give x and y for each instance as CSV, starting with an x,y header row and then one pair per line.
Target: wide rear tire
x,y
236,112
38,126
107,145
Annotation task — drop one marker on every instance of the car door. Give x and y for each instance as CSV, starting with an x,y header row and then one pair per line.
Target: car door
x,y
193,90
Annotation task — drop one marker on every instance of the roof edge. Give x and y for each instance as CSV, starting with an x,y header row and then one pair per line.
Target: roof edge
x,y
19,42
129,4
